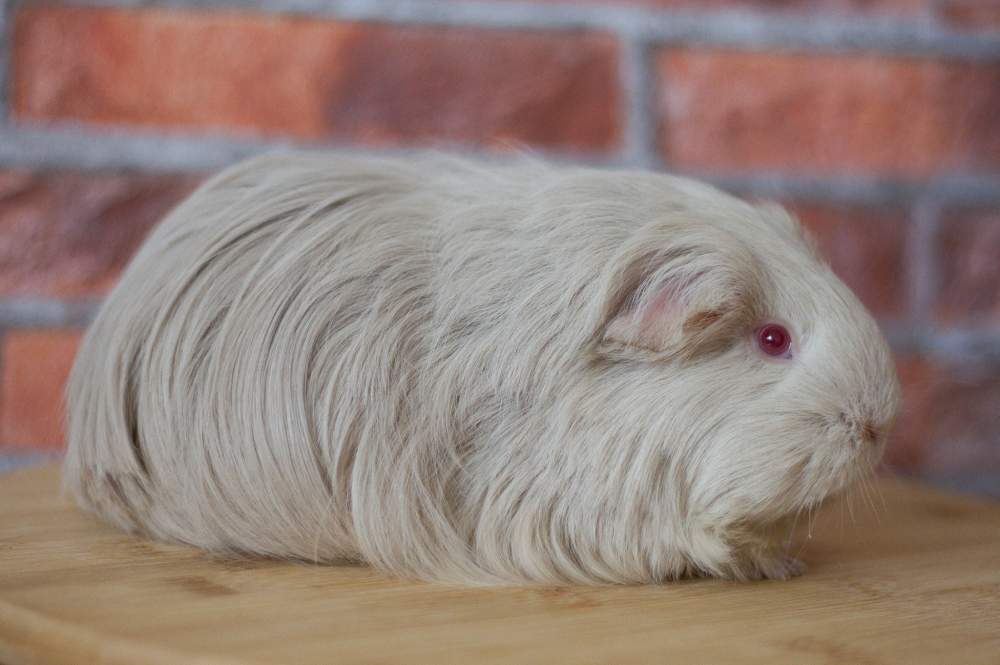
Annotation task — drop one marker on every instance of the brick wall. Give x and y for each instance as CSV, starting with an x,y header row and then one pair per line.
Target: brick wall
x,y
877,121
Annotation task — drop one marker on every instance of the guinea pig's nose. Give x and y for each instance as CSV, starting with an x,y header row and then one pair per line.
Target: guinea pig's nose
x,y
868,432
865,429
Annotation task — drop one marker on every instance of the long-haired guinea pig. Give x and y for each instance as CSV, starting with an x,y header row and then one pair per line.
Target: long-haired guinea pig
x,y
477,374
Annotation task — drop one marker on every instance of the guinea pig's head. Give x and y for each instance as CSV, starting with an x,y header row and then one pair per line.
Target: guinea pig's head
x,y
765,380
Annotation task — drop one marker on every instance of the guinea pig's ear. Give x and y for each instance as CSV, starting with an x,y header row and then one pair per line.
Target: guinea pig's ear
x,y
680,303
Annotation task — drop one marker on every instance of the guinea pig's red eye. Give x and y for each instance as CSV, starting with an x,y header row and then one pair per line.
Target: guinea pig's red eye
x,y
774,339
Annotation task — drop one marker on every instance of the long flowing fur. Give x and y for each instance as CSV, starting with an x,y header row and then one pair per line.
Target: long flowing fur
x,y
476,374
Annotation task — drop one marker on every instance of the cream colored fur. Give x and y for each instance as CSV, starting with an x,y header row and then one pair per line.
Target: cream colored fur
x,y
475,374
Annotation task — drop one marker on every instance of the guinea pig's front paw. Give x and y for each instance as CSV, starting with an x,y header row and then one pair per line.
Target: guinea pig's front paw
x,y
779,567
763,566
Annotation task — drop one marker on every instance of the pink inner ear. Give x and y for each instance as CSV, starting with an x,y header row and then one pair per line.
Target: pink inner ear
x,y
648,325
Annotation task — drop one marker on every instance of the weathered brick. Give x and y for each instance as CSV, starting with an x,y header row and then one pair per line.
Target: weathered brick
x,y
971,14
887,7
824,113
968,265
70,234
908,442
36,364
374,83
950,423
866,248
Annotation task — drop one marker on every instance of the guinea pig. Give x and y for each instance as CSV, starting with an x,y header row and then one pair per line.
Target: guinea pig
x,y
477,374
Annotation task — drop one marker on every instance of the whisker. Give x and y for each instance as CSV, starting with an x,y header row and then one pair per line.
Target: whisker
x,y
866,492
791,530
850,505
842,513
878,492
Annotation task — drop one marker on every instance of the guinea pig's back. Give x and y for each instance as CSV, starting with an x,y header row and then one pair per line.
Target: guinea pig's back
x,y
261,332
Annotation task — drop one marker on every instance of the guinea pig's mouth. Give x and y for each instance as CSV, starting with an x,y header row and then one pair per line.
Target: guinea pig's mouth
x,y
849,473
844,458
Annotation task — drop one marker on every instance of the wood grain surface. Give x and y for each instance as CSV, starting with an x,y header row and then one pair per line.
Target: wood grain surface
x,y
916,582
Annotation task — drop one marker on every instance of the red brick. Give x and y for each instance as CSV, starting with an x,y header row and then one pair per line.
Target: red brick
x,y
972,14
36,365
888,7
968,264
825,113
314,79
950,422
70,234
866,248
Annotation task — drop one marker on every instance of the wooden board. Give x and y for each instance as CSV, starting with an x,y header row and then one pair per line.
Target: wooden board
x,y
920,583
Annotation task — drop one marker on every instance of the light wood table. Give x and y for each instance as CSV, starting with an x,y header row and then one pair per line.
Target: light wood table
x,y
919,584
